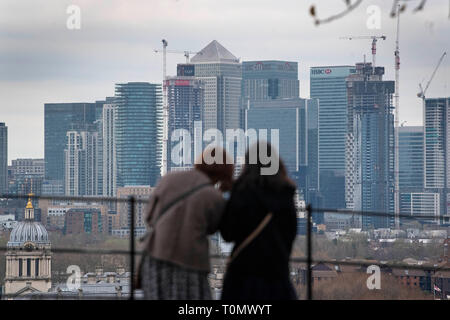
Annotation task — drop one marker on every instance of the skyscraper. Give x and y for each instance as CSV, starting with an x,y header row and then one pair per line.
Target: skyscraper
x,y
289,118
60,118
328,84
80,162
3,158
221,73
413,199
297,123
27,176
185,96
437,155
28,167
270,79
369,179
109,165
138,133
313,195
411,158
419,204
103,157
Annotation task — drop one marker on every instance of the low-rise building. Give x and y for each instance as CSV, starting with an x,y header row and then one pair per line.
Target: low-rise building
x,y
83,220
7,221
441,285
139,193
414,278
125,232
56,217
93,285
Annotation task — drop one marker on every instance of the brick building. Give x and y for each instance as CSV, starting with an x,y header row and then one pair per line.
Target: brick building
x,y
83,220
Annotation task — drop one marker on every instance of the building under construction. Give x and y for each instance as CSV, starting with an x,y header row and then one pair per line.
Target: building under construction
x,y
369,177
185,99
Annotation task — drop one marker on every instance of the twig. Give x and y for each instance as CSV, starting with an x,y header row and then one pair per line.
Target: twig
x,y
420,6
350,7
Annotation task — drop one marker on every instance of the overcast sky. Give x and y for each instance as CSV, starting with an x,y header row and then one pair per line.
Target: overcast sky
x,y
42,61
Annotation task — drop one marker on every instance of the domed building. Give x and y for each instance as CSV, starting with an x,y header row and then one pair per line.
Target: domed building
x,y
28,257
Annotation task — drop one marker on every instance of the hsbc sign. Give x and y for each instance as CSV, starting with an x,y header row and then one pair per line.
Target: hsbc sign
x,y
331,71
321,71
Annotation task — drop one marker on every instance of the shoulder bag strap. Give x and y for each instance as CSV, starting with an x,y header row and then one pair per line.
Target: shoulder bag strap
x,y
250,237
181,197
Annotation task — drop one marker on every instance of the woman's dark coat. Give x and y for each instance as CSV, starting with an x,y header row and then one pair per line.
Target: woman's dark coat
x,y
261,270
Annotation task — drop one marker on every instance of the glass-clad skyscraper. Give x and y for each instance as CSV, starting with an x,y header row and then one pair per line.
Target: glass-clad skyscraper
x,y
3,158
437,155
60,118
297,123
411,155
413,199
419,204
289,118
328,84
270,79
138,132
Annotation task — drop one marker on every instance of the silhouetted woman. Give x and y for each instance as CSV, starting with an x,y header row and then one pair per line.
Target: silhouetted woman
x,y
260,218
184,209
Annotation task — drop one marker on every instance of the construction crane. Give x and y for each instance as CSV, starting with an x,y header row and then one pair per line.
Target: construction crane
x,y
165,100
396,123
422,92
374,44
185,53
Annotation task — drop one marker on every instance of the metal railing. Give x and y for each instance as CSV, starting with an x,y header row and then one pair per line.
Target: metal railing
x,y
308,259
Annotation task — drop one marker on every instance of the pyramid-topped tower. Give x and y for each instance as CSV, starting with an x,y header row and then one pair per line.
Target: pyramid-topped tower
x,y
221,73
214,52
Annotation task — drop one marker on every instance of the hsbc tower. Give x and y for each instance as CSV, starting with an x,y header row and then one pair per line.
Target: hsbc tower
x,y
327,83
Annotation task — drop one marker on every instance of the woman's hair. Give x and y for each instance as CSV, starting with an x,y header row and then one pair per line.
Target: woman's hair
x,y
252,170
215,163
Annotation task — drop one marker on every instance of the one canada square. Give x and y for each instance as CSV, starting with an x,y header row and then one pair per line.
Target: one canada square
x,y
221,73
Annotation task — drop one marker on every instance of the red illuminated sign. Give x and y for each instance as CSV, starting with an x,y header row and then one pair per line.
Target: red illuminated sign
x,y
182,82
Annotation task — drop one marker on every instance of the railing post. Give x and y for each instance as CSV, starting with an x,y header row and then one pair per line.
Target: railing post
x,y
308,253
132,204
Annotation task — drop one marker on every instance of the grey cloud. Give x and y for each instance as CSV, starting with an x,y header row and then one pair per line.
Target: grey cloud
x,y
41,61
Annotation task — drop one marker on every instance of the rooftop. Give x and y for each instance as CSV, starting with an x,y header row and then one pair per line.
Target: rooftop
x,y
214,52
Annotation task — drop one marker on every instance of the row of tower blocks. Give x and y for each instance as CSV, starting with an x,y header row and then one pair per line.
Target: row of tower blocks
x,y
338,145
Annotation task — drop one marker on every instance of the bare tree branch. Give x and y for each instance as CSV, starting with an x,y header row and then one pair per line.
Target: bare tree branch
x,y
394,8
420,6
350,7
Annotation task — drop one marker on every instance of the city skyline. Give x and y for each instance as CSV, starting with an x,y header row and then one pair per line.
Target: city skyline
x,y
42,61
294,130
